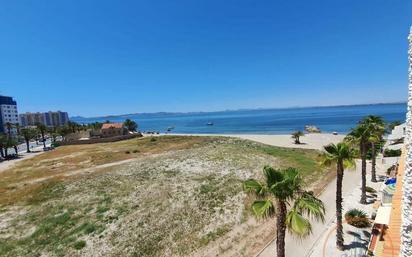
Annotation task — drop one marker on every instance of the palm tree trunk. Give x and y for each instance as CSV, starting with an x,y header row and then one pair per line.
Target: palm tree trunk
x,y
339,226
281,228
1,152
373,171
28,146
44,141
363,188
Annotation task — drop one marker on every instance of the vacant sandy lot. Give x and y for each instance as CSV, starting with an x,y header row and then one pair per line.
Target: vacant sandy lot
x,y
163,196
309,141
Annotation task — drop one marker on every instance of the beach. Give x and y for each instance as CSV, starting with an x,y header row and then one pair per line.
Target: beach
x,y
308,141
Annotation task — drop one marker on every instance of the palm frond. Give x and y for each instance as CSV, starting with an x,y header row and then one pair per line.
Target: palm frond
x,y
254,186
263,208
349,163
327,160
297,224
310,206
272,175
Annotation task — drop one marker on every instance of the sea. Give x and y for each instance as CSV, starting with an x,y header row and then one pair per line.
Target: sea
x,y
338,119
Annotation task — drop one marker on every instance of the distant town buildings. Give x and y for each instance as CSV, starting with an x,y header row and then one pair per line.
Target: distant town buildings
x,y
8,114
50,119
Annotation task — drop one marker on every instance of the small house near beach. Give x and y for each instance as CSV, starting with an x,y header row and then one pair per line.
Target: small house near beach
x,y
113,129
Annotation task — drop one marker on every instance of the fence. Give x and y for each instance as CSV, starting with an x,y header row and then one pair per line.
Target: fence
x,y
99,140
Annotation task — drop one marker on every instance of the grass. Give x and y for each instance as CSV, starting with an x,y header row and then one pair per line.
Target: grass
x,y
179,194
304,160
14,185
79,244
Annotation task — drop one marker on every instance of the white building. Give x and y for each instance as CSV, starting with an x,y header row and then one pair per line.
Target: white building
x,y
8,114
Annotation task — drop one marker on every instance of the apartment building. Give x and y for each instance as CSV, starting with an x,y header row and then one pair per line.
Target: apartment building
x,y
8,114
50,119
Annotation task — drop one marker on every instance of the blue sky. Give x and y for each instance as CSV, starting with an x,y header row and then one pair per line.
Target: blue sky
x,y
113,57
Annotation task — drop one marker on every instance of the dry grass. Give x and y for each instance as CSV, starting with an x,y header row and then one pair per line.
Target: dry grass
x,y
177,196
16,183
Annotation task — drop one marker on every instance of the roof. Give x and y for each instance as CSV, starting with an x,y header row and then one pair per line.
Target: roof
x,y
382,215
112,125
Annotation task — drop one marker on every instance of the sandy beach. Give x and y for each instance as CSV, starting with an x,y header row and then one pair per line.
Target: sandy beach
x,y
309,141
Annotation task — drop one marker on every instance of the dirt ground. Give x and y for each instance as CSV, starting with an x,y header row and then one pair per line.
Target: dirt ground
x,y
163,196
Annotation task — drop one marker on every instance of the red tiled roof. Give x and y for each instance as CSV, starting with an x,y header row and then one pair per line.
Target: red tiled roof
x,y
112,125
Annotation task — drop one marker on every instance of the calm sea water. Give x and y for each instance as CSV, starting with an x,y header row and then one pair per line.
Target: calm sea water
x,y
274,121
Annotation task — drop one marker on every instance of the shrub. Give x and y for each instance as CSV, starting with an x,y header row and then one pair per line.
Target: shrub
x,y
153,139
55,144
127,152
355,213
135,151
357,218
360,222
392,153
79,244
370,190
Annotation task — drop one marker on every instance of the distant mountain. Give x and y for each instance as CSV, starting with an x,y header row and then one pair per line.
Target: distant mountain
x,y
173,114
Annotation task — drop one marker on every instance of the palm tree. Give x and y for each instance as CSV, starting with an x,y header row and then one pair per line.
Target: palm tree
x,y
285,187
360,136
42,129
3,143
9,127
296,135
130,125
377,129
28,134
342,156
73,126
63,131
17,126
54,133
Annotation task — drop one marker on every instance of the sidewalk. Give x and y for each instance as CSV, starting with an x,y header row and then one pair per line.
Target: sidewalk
x,y
313,245
23,155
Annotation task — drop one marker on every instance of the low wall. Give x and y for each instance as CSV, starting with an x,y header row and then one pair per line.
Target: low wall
x,y
100,140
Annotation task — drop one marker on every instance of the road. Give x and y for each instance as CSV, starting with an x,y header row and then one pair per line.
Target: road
x,y
22,147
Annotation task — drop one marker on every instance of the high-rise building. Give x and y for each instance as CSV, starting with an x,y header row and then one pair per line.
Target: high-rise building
x,y
8,114
50,119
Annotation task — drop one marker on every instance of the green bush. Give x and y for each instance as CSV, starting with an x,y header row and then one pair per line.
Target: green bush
x,y
153,139
55,144
79,244
355,213
127,152
392,153
357,218
135,151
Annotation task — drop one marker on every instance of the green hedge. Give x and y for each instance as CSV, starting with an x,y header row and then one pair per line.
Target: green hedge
x,y
392,153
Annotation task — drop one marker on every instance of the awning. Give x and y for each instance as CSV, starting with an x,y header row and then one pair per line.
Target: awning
x,y
383,215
